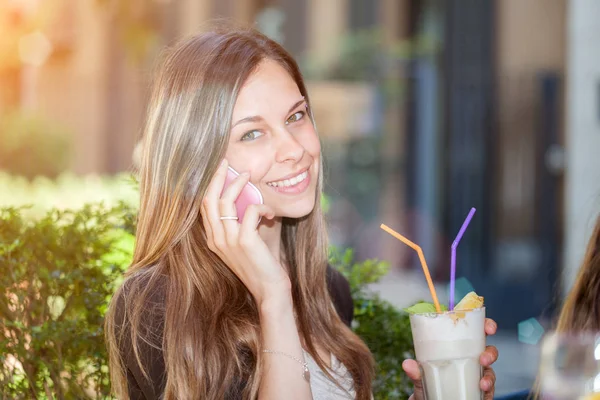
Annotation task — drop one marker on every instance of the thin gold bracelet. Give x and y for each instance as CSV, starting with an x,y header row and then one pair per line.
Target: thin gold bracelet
x,y
305,373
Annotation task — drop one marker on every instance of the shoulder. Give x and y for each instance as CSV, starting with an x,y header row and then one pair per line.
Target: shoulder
x,y
146,284
339,290
140,303
141,298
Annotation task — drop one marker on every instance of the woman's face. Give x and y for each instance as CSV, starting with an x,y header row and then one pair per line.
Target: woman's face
x,y
274,140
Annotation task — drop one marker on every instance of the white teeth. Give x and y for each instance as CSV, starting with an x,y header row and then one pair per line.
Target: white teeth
x,y
290,182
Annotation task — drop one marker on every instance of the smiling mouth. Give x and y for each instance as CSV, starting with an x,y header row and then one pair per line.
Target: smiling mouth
x,y
290,182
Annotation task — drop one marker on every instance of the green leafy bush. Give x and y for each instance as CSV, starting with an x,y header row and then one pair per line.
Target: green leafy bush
x,y
384,328
59,272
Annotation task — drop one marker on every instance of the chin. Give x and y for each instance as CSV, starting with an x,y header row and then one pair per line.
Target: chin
x,y
296,210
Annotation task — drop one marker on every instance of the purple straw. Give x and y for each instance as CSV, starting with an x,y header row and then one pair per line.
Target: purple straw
x,y
461,232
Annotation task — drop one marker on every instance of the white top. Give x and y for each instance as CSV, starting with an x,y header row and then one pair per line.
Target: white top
x,y
324,388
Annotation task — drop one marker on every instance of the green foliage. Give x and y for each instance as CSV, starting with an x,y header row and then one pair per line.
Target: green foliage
x,y
58,273
365,55
325,203
360,56
32,146
384,328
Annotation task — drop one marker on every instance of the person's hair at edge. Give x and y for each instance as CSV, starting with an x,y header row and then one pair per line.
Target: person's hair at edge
x,y
211,337
581,309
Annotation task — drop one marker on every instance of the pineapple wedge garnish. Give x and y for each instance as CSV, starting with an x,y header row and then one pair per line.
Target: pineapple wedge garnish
x,y
470,302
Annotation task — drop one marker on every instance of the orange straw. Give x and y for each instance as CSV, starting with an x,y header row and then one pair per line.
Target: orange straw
x,y
417,248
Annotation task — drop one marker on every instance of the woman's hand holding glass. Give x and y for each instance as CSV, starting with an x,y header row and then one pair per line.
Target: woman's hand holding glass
x,y
487,358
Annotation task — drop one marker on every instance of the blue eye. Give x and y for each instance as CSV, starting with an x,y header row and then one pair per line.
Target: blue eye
x,y
297,116
251,135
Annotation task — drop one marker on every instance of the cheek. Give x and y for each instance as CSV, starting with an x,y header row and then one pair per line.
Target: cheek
x,y
247,161
257,169
310,142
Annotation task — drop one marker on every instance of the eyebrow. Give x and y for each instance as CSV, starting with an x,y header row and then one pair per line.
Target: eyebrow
x,y
258,118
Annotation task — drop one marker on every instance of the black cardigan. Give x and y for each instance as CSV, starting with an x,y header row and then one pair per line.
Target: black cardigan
x,y
141,389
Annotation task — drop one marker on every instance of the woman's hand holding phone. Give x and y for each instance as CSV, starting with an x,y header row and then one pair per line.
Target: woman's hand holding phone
x,y
249,195
237,242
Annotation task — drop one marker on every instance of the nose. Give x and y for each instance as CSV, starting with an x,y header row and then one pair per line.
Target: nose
x,y
288,148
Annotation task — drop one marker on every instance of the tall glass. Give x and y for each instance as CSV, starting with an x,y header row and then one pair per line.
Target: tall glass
x,y
447,348
570,366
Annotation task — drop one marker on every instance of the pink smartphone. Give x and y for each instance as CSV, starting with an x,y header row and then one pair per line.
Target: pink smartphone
x,y
249,195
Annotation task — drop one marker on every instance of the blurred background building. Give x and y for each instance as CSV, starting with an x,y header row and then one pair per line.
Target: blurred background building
x,y
426,108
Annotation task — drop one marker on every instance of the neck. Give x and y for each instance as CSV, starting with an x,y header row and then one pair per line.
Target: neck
x,y
270,233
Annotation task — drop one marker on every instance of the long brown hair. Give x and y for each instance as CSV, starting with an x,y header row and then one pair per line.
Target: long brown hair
x,y
581,310
210,331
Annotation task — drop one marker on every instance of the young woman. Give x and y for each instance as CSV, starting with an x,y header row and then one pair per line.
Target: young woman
x,y
212,306
581,310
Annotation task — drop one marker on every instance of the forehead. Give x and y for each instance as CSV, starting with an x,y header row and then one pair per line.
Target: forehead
x,y
269,88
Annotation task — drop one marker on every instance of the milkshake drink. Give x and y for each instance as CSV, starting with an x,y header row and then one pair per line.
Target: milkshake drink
x,y
447,348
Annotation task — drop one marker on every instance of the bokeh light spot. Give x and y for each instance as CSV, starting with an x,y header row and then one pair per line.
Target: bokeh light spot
x,y
34,49
530,331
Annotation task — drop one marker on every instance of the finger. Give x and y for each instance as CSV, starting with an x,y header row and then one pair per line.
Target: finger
x,y
233,191
490,326
227,208
412,370
489,356
211,207
231,227
488,382
215,187
215,236
252,216
206,224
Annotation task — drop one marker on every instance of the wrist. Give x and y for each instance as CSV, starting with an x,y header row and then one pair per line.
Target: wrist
x,y
276,304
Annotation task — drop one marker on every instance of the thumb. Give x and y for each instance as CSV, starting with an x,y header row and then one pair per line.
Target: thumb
x,y
412,370
411,367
